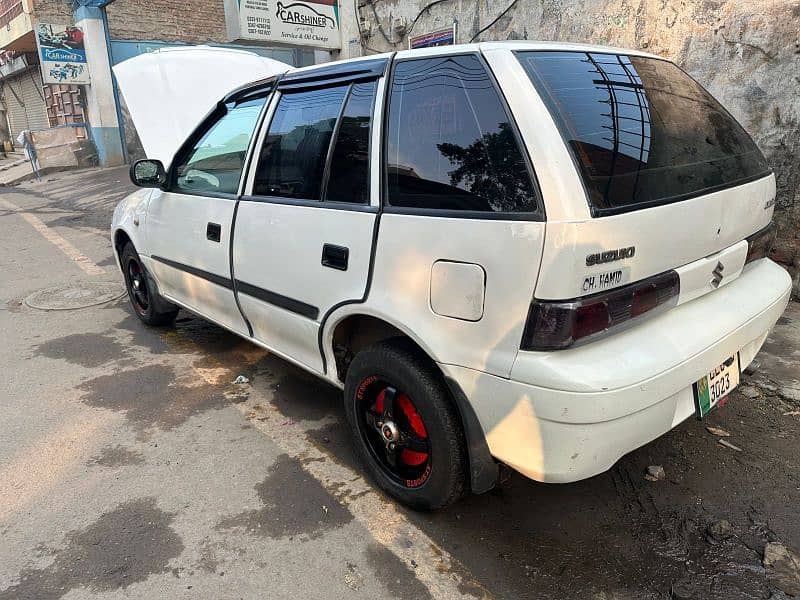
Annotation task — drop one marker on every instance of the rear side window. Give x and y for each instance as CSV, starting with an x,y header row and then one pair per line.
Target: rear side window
x,y
450,144
642,132
215,162
292,160
348,179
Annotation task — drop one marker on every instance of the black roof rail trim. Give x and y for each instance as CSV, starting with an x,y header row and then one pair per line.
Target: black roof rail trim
x,y
250,90
334,73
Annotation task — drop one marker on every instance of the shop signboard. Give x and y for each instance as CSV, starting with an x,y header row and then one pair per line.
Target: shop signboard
x,y
62,54
311,23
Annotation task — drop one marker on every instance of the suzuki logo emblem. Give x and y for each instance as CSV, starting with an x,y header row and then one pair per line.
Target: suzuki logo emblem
x,y
717,272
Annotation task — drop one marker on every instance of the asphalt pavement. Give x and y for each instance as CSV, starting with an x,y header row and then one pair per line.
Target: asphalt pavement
x,y
131,465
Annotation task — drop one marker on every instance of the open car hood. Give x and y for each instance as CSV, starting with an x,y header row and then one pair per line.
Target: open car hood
x,y
168,92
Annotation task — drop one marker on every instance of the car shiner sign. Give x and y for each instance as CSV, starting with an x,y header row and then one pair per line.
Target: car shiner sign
x,y
62,54
313,23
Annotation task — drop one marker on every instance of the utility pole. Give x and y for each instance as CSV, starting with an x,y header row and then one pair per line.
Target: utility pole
x,y
101,102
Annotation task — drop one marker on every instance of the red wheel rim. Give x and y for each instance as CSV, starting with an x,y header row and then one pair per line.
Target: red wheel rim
x,y
394,432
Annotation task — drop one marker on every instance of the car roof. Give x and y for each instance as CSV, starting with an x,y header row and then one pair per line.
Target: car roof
x,y
485,46
512,45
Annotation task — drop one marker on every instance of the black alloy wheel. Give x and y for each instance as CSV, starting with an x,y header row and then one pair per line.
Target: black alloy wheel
x,y
394,432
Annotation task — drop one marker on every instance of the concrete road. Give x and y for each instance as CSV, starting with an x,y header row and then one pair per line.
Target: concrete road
x,y
132,467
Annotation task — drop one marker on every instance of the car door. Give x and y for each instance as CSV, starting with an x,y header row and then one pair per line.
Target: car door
x,y
304,227
189,223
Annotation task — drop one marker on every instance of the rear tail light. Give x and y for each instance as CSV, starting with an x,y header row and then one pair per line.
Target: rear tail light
x,y
561,324
760,243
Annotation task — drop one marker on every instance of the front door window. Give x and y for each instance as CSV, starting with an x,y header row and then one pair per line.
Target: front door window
x,y
216,161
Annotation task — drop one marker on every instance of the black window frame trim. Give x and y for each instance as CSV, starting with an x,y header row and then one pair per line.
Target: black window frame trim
x,y
326,169
538,215
597,213
323,202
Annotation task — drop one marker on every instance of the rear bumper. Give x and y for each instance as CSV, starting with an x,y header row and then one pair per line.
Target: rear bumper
x,y
568,415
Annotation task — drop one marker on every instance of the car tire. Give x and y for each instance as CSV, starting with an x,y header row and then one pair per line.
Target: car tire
x,y
151,308
395,373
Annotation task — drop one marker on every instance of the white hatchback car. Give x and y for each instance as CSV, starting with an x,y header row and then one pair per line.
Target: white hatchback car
x,y
543,255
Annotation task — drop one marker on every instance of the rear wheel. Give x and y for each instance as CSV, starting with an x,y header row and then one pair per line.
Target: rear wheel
x,y
149,307
406,430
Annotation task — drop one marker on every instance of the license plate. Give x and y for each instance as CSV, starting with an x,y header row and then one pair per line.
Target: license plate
x,y
709,390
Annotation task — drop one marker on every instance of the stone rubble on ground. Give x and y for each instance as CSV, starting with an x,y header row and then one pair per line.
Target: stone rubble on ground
x,y
718,431
783,568
749,392
727,444
655,473
720,530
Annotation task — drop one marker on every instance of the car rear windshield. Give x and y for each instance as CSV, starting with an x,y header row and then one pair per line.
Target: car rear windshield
x,y
642,132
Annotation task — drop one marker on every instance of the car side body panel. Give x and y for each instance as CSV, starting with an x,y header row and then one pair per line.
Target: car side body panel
x,y
130,218
190,268
507,251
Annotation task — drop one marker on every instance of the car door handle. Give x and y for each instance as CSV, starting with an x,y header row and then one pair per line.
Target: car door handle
x,y
214,232
335,257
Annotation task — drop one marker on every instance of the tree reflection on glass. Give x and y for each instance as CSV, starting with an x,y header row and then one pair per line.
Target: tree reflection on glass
x,y
491,168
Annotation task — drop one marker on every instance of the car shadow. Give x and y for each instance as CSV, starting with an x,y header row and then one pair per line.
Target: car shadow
x,y
616,533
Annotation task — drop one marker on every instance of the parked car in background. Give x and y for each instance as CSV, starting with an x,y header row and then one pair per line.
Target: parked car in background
x,y
537,254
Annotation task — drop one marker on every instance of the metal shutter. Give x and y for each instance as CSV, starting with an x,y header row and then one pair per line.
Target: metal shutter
x,y
24,102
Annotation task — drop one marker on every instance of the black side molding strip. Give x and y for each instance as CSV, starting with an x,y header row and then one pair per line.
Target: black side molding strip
x,y
212,277
296,306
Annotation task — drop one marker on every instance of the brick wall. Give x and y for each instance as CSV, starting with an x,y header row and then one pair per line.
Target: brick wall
x,y
58,12
197,21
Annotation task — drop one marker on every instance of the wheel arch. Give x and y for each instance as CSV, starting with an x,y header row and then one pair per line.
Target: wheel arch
x,y
120,238
351,331
363,327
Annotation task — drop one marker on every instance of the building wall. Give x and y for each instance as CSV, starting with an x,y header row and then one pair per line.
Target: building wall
x,y
53,11
195,22
747,53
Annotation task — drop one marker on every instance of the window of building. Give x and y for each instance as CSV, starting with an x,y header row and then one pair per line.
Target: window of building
x,y
215,163
450,143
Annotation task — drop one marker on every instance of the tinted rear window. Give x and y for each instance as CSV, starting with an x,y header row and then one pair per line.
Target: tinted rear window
x,y
642,131
450,143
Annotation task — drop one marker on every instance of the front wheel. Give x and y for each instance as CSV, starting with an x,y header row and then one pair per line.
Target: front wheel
x,y
149,307
406,430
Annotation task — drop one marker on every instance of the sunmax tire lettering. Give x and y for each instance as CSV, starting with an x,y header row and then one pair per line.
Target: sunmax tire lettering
x,y
600,258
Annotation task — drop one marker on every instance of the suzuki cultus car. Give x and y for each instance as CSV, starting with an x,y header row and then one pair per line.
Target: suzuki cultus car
x,y
535,254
